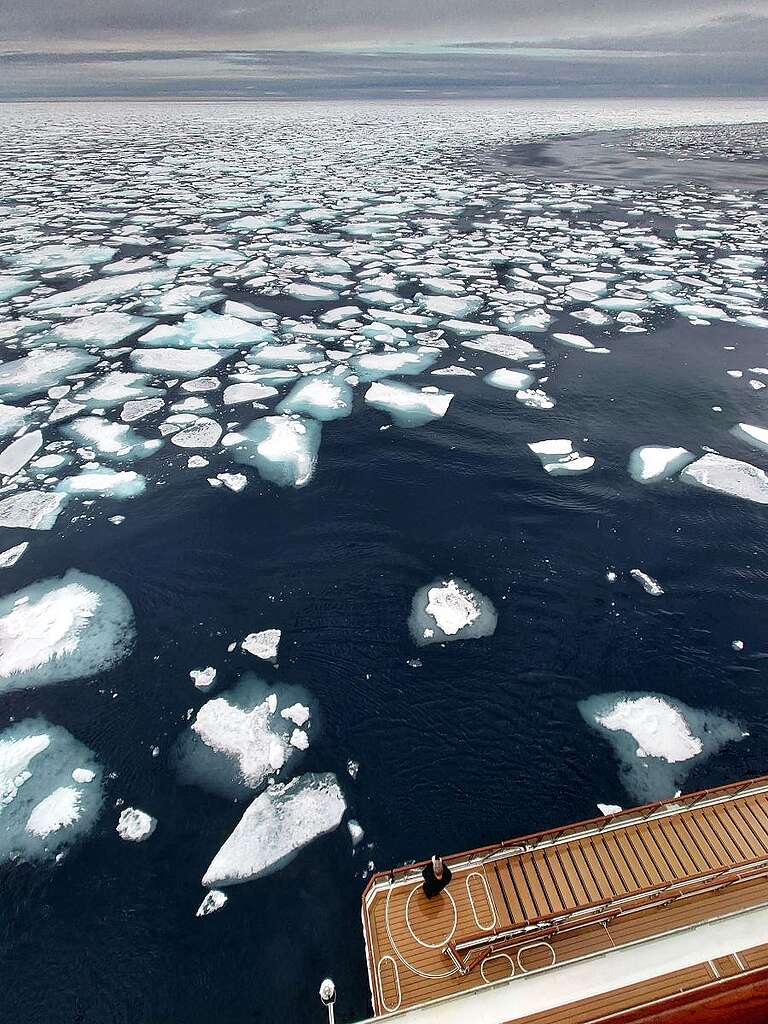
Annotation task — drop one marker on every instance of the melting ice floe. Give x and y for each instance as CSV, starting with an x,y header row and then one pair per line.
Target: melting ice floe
x,y
213,901
276,826
559,458
31,510
648,464
63,628
283,448
409,407
728,476
324,397
50,790
450,610
104,483
263,645
657,739
134,825
241,739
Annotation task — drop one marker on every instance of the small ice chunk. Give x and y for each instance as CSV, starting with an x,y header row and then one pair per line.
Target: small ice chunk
x,y
506,346
573,340
233,481
450,610
234,394
737,645
263,645
757,437
609,808
509,380
299,739
11,556
215,899
203,678
296,713
648,583
356,832
203,433
134,825
279,823
105,483
19,452
83,775
558,457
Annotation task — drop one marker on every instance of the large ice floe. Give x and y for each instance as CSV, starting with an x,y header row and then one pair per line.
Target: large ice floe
x,y
409,407
728,476
63,628
50,790
450,610
244,737
657,739
275,827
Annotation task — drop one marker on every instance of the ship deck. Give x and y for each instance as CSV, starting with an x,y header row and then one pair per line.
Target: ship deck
x,y
530,905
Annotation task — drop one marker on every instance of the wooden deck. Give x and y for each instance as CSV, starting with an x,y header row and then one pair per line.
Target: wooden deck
x,y
563,895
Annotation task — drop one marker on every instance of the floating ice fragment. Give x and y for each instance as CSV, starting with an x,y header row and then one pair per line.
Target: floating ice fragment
x,y
505,346
509,380
757,437
356,832
48,257
324,397
728,476
104,482
178,362
139,408
283,448
263,645
105,289
450,610
11,556
213,901
402,362
650,463
656,738
573,340
39,370
408,406
648,583
234,394
237,740
559,458
63,628
11,419
31,510
41,811
203,433
134,825
296,713
206,330
112,440
99,330
278,824
203,678
19,452
233,481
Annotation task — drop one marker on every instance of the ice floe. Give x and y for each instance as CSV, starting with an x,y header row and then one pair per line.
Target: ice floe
x,y
63,628
134,825
651,463
31,510
408,406
214,900
282,448
275,827
728,476
559,458
648,583
263,645
450,610
657,739
50,790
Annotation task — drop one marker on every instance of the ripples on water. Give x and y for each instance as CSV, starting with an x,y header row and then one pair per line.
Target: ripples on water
x,y
484,740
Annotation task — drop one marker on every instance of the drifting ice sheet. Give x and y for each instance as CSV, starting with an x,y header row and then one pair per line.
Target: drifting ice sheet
x,y
728,476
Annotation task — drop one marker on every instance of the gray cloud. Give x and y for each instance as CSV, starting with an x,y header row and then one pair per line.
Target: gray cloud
x,y
34,24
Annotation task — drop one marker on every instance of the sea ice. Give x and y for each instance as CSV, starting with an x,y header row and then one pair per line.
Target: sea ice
x,y
757,437
41,811
40,370
178,362
105,289
450,610
648,583
11,556
657,739
19,452
728,476
559,458
105,483
63,628
134,825
324,397
203,678
509,380
505,346
408,406
238,740
283,448
279,823
99,330
206,330
234,394
203,433
263,645
650,463
112,440
31,510
213,901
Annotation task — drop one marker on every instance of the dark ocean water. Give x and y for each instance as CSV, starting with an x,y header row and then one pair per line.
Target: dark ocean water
x,y
482,741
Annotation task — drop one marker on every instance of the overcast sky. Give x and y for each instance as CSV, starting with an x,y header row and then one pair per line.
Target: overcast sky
x,y
375,47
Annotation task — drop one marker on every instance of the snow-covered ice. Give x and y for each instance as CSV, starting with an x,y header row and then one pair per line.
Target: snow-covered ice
x,y
134,825
282,448
450,610
728,476
559,458
263,645
651,463
275,827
